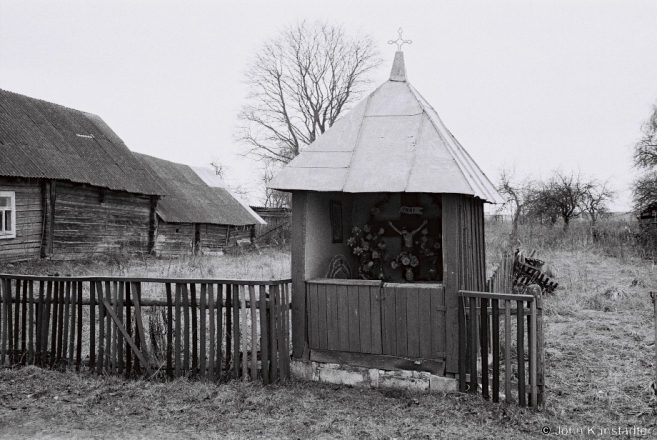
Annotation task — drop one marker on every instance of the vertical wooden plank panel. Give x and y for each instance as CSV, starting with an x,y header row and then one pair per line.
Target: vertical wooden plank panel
x,y
140,327
254,333
424,320
185,305
507,351
101,329
30,344
40,310
313,322
473,345
401,323
451,231
364,317
5,319
280,326
128,327
332,339
484,348
354,318
178,362
115,333
343,318
521,353
170,330
228,331
229,327
236,331
375,319
92,324
532,360
496,349
202,314
273,354
46,323
23,323
264,337
244,331
17,306
108,329
389,320
194,311
121,340
462,346
67,318
322,326
71,344
212,340
60,322
540,354
220,314
413,321
78,355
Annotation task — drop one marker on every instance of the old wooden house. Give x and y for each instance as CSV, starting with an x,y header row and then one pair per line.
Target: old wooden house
x,y
277,229
69,187
389,191
200,214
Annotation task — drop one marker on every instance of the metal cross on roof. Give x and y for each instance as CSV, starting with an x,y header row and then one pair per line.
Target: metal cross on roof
x,y
399,41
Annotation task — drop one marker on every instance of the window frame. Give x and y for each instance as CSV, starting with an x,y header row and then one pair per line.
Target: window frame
x,y
12,208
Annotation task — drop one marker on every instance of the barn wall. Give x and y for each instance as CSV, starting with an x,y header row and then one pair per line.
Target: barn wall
x,y
174,239
83,226
29,220
464,261
213,237
240,234
277,229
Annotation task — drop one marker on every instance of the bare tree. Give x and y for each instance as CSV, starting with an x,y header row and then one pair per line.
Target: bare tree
x,y
274,198
518,194
218,167
596,200
299,83
644,190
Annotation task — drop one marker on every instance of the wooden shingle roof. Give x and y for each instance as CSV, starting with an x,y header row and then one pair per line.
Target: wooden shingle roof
x,y
196,195
392,141
39,139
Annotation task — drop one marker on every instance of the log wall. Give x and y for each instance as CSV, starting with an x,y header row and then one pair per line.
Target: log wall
x,y
90,221
174,239
29,220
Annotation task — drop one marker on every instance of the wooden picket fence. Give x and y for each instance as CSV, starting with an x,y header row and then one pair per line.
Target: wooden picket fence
x,y
489,325
210,329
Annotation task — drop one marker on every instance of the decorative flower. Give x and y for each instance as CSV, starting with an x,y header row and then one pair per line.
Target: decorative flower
x,y
367,228
369,237
370,264
355,230
382,231
414,261
351,241
394,264
382,245
366,246
425,231
358,250
375,254
405,260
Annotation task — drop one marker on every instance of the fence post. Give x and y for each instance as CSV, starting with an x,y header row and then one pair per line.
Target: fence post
x,y
653,296
540,342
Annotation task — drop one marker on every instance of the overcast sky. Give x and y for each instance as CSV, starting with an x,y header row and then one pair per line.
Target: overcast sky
x,y
535,84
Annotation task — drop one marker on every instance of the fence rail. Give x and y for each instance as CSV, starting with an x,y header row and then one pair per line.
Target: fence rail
x,y
211,329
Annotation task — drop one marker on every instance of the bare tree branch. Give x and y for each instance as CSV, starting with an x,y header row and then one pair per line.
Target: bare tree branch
x,y
299,84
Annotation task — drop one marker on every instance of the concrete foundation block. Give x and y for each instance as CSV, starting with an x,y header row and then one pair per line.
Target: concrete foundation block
x,y
409,380
442,384
302,370
328,373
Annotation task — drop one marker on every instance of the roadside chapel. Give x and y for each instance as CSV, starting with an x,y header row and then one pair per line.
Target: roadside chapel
x,y
387,226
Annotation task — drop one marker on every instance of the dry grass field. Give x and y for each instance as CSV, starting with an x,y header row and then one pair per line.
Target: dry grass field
x,y
599,352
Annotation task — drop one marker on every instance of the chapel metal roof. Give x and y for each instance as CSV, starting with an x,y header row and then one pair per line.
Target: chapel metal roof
x,y
392,141
197,195
39,139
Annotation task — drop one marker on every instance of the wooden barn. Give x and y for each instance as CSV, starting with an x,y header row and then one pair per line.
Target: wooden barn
x,y
69,187
200,214
390,193
277,229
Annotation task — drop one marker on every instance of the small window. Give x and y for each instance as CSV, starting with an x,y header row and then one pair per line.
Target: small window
x,y
7,214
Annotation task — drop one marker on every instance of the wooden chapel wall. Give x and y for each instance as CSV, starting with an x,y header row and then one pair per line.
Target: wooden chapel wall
x,y
464,261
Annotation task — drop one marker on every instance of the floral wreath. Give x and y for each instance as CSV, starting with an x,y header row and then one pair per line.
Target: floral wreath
x,y
369,250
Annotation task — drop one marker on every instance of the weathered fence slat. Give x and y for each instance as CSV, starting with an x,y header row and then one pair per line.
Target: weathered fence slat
x,y
220,314
17,308
245,332
473,345
213,338
236,331
23,324
92,324
128,328
185,302
264,337
140,326
30,343
193,310
495,305
169,331
73,307
202,315
521,354
532,359
254,334
78,355
273,333
67,318
119,313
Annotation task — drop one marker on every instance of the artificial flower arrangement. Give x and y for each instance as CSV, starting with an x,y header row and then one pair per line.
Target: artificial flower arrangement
x,y
369,250
428,248
407,262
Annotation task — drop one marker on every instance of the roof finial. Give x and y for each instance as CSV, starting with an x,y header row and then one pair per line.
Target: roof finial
x,y
399,41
